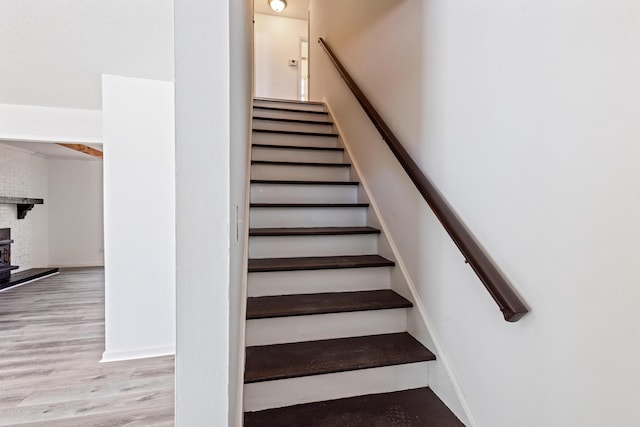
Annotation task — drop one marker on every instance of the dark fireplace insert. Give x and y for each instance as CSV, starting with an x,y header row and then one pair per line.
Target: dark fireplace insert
x,y
5,255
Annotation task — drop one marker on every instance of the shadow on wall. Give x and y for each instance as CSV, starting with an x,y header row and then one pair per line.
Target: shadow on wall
x,y
381,43
383,50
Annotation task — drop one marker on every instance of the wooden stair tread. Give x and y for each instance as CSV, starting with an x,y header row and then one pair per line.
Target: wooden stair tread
x,y
309,205
288,120
297,147
281,361
293,110
317,263
285,163
323,303
312,231
298,182
297,132
418,407
287,101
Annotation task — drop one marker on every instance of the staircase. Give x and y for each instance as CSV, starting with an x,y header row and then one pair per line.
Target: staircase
x,y
327,341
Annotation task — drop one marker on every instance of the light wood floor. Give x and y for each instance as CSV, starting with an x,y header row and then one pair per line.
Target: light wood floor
x,y
51,340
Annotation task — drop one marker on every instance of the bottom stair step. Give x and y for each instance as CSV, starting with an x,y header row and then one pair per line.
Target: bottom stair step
x,y
411,408
281,361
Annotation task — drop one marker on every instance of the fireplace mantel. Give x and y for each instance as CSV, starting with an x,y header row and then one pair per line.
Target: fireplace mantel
x,y
25,204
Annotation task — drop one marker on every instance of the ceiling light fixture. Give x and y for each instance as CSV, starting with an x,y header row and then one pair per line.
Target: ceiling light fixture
x,y
277,5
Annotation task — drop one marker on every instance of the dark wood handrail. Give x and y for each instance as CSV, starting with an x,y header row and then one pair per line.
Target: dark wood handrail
x,y
512,307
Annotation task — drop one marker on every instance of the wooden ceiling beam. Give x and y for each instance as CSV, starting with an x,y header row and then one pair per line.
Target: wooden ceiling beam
x,y
83,149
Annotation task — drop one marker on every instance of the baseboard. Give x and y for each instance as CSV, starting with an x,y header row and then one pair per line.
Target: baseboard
x,y
119,356
80,265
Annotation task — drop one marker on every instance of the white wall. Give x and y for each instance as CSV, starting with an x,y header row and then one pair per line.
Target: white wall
x,y
75,225
524,115
203,206
24,174
139,217
48,124
277,39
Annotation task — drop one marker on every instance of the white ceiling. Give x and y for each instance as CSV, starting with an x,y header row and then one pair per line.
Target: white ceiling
x,y
53,151
52,52
295,8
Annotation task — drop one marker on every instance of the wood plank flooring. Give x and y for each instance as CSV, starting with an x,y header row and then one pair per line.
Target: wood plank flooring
x,y
51,342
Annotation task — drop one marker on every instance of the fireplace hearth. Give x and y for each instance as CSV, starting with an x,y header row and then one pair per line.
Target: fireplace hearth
x,y
5,255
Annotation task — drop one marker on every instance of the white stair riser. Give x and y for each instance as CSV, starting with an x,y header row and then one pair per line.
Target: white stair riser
x,y
314,281
293,126
291,193
307,217
293,155
301,173
299,246
290,105
294,139
299,115
281,330
316,388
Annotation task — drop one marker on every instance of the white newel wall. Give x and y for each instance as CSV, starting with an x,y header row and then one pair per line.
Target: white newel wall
x,y
212,126
139,217
277,39
24,174
240,80
524,114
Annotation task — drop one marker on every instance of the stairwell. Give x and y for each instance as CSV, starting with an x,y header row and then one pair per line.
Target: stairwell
x,y
327,341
